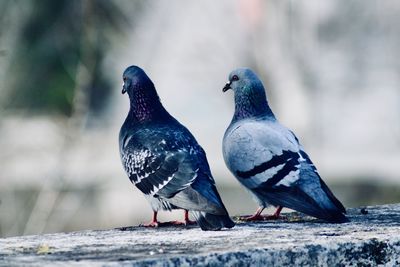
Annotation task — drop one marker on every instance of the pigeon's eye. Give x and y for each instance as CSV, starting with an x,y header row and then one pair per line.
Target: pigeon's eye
x,y
235,78
124,79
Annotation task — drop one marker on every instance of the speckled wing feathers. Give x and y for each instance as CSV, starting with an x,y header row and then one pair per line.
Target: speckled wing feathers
x,y
158,170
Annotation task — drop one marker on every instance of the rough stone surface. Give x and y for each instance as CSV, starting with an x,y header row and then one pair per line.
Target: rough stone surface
x,y
371,238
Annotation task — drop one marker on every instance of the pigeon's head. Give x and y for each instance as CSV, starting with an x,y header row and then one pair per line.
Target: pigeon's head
x,y
134,79
244,81
250,97
144,101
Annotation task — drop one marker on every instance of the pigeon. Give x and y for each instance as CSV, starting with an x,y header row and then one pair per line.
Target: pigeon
x,y
268,159
163,159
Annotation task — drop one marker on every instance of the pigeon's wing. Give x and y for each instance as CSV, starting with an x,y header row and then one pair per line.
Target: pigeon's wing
x,y
203,191
306,192
201,194
171,165
152,167
309,170
259,152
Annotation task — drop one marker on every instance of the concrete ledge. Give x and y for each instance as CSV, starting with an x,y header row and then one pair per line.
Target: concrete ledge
x,y
369,239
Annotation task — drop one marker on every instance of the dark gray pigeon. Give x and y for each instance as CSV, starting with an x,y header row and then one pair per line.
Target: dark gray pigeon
x,y
267,158
163,159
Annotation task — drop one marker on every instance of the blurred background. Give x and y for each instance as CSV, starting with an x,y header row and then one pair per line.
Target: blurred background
x,y
331,69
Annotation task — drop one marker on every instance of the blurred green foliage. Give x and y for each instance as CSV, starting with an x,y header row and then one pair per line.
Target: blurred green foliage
x,y
55,41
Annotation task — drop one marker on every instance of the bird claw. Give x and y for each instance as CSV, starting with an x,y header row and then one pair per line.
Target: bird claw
x,y
153,224
171,223
252,218
255,217
189,222
185,223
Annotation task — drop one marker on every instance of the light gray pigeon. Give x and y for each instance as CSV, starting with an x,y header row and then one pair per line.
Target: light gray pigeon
x,y
163,159
267,158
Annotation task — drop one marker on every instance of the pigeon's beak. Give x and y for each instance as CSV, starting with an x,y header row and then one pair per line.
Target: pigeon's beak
x,y
123,88
227,87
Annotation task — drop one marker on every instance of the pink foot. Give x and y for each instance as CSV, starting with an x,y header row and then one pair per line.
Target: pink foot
x,y
255,217
258,217
153,224
276,215
252,218
189,222
186,222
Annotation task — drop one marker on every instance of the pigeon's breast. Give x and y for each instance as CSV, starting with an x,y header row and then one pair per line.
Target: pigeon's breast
x,y
240,147
250,144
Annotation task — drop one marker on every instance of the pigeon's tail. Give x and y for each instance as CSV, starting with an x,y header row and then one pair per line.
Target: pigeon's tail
x,y
212,222
308,206
336,217
333,209
315,204
330,208
212,215
328,213
314,200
